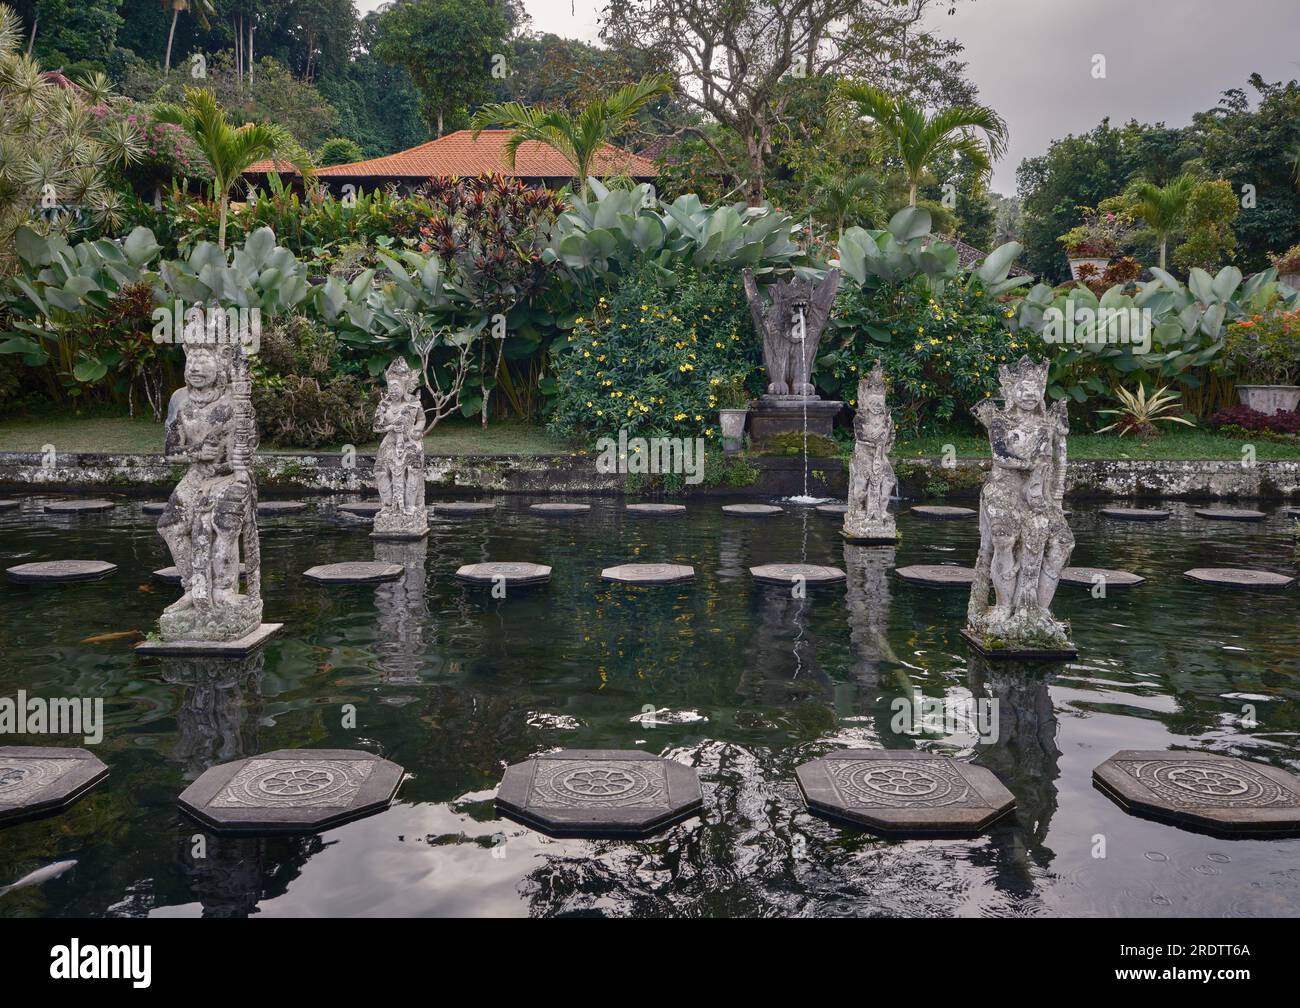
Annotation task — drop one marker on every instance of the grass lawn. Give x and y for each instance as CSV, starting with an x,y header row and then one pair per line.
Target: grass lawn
x,y
1179,444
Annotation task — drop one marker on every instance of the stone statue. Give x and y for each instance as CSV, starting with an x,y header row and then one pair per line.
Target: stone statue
x,y
871,473
791,327
1024,539
213,510
399,465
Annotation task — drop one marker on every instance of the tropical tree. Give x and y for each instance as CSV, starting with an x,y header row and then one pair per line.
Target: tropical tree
x,y
229,149
858,196
579,138
920,139
201,9
1161,208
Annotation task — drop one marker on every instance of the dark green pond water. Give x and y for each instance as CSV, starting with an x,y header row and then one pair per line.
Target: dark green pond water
x,y
748,683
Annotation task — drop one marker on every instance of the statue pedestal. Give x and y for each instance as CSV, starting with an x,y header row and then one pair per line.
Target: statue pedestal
x,y
771,415
1020,653
211,649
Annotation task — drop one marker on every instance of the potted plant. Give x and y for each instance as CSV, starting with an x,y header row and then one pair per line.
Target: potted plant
x,y
733,406
1263,354
1288,266
1094,242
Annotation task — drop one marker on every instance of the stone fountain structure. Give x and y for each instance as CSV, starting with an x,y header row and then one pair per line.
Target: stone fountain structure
x,y
210,521
871,472
399,464
1025,541
791,327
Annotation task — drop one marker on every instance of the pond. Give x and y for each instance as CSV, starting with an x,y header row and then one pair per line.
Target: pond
x,y
746,683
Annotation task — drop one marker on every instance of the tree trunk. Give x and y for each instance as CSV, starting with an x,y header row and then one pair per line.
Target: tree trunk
x,y
31,41
1164,242
171,35
439,122
911,199
754,152
250,52
225,211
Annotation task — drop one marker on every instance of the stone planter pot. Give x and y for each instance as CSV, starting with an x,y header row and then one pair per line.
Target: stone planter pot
x,y
1076,264
732,424
1292,280
1269,399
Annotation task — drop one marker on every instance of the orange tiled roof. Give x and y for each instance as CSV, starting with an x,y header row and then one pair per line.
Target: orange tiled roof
x,y
460,155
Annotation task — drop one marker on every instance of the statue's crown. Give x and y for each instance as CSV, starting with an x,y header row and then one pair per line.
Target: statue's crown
x,y
1025,370
872,383
403,372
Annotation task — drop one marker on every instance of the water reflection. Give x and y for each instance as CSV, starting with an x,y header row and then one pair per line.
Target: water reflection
x,y
218,709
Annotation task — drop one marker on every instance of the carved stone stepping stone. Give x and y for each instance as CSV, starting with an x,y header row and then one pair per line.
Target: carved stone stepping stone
x,y
751,510
1230,514
173,576
559,510
1236,577
942,512
8,505
280,507
153,507
655,510
648,573
833,509
511,574
1136,514
812,575
79,506
1086,577
599,793
366,509
1214,794
292,791
461,509
38,779
938,575
60,571
240,648
904,792
364,572
1292,512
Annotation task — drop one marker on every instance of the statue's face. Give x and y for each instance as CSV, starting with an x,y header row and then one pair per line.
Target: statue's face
x,y
1026,395
201,369
395,388
875,405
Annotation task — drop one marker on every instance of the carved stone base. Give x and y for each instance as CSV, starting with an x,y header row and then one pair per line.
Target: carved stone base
x,y
211,649
1016,652
772,415
393,524
212,623
880,537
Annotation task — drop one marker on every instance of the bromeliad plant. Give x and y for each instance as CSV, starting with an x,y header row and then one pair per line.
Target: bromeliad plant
x,y
1138,413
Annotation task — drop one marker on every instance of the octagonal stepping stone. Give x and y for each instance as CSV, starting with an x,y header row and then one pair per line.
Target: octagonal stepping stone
x,y
8,505
942,512
655,510
1293,512
280,507
1236,577
812,575
1231,514
60,571
1086,577
751,510
1136,514
153,507
363,572
173,576
833,509
455,509
599,793
938,575
1204,792
559,510
904,792
38,779
648,573
79,506
504,572
292,791
366,509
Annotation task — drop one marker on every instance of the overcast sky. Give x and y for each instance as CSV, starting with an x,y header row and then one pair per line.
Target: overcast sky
x,y
1032,60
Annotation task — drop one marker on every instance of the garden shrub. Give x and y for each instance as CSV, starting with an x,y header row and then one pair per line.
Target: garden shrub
x,y
1236,419
940,350
649,355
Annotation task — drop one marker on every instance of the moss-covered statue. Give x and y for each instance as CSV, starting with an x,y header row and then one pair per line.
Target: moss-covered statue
x,y
871,472
399,465
211,516
1025,542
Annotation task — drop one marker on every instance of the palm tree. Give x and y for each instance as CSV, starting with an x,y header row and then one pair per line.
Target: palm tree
x,y
229,149
920,139
202,8
837,198
579,138
1161,207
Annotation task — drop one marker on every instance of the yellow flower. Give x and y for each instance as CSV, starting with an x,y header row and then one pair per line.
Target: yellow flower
x,y
680,416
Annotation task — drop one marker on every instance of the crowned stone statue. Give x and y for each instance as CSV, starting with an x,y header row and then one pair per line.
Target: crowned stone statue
x,y
399,465
1024,539
211,516
871,473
